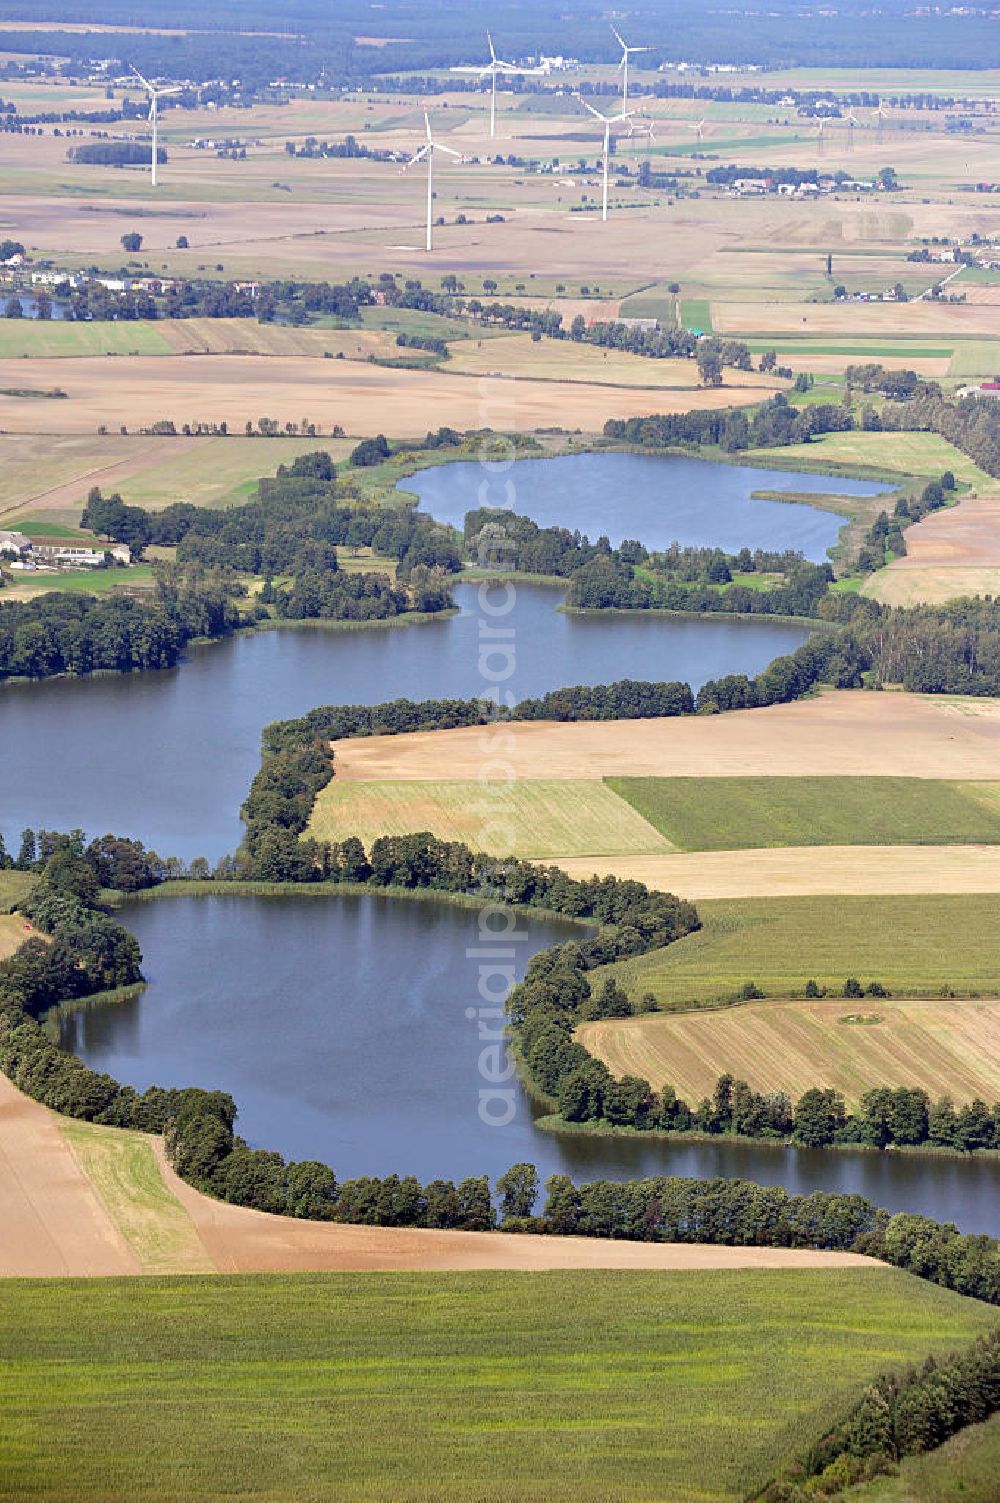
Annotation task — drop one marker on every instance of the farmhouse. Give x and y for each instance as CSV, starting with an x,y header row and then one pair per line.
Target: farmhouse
x,y
14,545
75,555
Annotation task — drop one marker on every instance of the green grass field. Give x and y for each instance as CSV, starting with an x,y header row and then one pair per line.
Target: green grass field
x,y
690,1386
719,814
696,313
535,818
914,945
123,1170
907,453
964,1470
55,337
14,888
80,581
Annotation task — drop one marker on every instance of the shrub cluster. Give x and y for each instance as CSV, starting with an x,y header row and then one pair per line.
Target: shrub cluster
x,y
899,1415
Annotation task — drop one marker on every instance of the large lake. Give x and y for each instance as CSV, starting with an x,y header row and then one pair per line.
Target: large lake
x,y
341,1026
169,756
659,499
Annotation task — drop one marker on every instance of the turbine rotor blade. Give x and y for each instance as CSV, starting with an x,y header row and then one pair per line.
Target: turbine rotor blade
x,y
596,113
144,81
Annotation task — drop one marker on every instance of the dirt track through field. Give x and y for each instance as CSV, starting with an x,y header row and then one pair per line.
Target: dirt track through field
x,y
53,1224
842,733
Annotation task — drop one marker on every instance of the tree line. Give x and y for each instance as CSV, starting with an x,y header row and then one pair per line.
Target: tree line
x,y
971,423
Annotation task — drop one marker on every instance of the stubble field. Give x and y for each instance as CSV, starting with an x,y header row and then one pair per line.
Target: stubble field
x,y
139,391
945,1048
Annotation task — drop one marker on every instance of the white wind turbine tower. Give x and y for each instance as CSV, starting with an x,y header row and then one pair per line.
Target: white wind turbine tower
x,y
608,121
154,95
699,130
428,150
493,67
852,121
623,65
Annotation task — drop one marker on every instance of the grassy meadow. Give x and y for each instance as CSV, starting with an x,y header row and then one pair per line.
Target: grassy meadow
x,y
964,1470
79,581
915,945
946,1047
719,814
35,337
906,453
124,1172
14,888
695,1386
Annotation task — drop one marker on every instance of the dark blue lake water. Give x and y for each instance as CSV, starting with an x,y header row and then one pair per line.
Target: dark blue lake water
x,y
658,499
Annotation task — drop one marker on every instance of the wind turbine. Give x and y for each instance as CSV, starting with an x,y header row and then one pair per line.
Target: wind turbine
x,y
699,130
154,95
607,121
880,115
428,150
493,67
623,65
821,127
851,123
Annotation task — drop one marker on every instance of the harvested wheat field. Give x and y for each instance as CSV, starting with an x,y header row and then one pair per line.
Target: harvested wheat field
x,y
891,320
845,732
78,1200
534,818
236,388
931,585
53,474
950,553
802,870
946,1048
517,355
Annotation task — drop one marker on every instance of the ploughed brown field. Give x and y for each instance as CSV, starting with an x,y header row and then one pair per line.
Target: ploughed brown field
x,y
946,1047
79,1200
839,733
